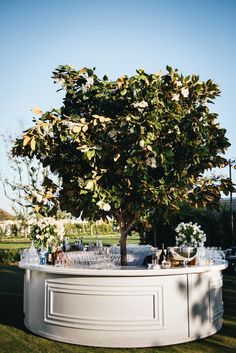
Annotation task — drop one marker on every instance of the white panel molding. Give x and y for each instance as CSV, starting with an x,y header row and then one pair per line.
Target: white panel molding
x,y
72,294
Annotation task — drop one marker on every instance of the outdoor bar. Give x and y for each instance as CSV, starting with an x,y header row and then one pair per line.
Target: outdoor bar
x,y
126,307
131,154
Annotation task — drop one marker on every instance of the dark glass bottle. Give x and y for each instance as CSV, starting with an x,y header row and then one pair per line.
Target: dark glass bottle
x,y
64,246
169,255
49,255
162,255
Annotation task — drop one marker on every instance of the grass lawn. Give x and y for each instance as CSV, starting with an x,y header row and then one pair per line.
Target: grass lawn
x,y
14,245
106,239
14,338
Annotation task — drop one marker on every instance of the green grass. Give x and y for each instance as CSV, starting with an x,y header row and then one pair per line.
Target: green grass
x,y
14,338
106,239
14,245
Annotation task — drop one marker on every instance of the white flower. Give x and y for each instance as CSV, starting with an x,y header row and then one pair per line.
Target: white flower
x,y
185,92
151,162
189,233
103,206
84,88
123,123
178,83
112,133
51,239
141,105
131,130
175,97
90,81
106,207
88,84
60,230
61,82
45,201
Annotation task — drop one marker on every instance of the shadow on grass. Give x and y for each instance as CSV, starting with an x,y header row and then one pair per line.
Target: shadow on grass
x,y
11,296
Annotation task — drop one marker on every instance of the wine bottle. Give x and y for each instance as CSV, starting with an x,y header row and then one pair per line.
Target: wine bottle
x,y
169,255
49,255
162,255
64,246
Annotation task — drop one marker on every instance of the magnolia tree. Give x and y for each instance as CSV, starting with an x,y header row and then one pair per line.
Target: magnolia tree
x,y
127,147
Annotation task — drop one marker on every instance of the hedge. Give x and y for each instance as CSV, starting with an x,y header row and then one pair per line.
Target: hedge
x,y
8,256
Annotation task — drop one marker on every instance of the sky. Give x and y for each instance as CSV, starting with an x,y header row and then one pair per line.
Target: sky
x,y
117,37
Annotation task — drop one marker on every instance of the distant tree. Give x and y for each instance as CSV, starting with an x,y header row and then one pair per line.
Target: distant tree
x,y
27,189
4,215
131,146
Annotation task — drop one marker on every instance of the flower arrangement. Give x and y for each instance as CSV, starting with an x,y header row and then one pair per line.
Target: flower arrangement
x,y
189,234
46,231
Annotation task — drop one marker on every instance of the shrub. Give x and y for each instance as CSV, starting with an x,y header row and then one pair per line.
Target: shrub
x,y
216,225
8,256
89,229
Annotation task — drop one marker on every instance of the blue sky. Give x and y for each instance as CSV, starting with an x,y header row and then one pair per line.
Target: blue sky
x,y
195,36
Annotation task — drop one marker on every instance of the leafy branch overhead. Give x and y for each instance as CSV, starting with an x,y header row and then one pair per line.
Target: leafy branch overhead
x,y
127,146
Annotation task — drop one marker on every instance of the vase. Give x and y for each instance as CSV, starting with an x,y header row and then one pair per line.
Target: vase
x,y
184,254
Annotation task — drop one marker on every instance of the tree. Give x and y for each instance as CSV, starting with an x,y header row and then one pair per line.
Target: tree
x,y
29,189
4,215
127,147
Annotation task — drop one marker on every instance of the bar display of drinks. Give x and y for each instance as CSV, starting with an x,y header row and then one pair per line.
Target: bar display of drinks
x,y
97,256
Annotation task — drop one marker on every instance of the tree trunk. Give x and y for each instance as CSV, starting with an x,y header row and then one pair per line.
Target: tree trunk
x,y
125,228
123,249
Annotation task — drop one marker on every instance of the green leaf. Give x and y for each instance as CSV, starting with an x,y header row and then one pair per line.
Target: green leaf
x,y
83,192
139,158
169,153
90,154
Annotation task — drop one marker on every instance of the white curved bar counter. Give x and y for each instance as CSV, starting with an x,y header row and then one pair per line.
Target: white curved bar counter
x,y
130,307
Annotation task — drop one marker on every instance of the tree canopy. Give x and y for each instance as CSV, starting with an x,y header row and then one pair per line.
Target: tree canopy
x,y
125,147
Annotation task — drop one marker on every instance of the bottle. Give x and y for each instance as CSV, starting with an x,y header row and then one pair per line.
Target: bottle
x,y
168,259
169,255
42,258
54,254
49,255
162,255
64,246
81,245
33,254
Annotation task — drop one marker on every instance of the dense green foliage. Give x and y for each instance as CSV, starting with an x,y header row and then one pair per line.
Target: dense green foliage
x,y
215,223
19,230
8,256
126,147
89,229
